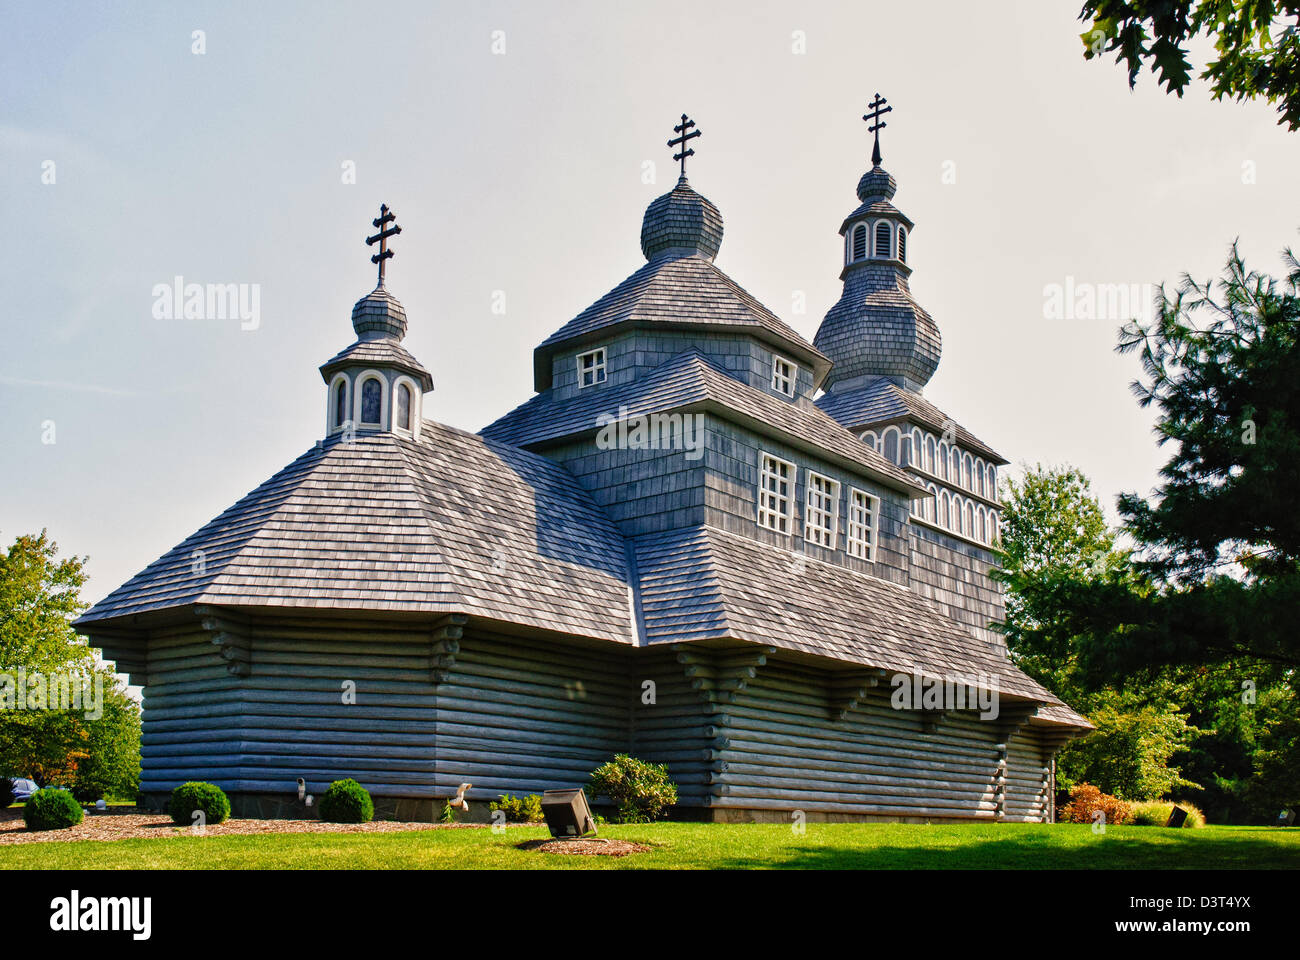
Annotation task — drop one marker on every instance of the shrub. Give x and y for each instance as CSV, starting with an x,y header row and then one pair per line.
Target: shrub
x,y
6,792
1155,813
347,801
192,796
1085,800
50,809
640,791
526,809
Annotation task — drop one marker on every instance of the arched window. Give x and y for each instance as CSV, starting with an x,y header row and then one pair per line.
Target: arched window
x,y
372,400
404,406
956,514
890,438
869,439
967,480
929,453
918,448
993,482
954,464
859,251
883,246
982,531
979,476
932,505
943,509
340,402
943,459
970,519
993,527
902,244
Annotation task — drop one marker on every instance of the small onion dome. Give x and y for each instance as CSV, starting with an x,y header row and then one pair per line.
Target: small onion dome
x,y
876,184
378,314
682,222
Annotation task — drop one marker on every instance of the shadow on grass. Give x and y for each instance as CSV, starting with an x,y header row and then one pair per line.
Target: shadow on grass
x,y
1118,849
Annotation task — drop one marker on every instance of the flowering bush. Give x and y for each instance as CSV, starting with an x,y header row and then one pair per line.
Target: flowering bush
x,y
1085,800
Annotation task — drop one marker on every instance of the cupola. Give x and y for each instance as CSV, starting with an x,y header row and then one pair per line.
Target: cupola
x,y
376,385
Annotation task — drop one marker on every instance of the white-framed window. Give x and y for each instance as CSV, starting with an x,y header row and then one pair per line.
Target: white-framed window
x,y
883,234
776,493
370,403
338,402
889,444
784,375
821,510
858,251
406,406
864,509
869,438
591,367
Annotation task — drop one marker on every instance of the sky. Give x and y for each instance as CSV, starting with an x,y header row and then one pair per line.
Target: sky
x,y
515,141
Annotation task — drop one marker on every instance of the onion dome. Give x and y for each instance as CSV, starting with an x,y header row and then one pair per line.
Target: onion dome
x,y
876,184
378,314
681,223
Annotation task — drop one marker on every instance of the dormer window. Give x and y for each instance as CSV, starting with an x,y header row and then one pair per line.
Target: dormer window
x,y
902,244
858,250
372,401
591,368
883,246
784,374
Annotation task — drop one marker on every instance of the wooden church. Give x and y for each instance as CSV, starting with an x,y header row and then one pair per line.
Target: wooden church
x,y
749,584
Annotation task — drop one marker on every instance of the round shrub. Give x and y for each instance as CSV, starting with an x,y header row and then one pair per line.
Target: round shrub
x,y
194,795
1155,813
51,810
346,801
641,792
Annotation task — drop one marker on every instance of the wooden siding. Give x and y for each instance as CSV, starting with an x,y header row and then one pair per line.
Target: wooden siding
x,y
784,752
521,715
955,576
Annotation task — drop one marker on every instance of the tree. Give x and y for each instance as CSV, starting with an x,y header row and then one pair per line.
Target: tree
x,y
40,595
1257,45
1054,533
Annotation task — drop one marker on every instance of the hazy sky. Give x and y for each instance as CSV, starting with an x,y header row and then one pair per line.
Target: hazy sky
x,y
522,172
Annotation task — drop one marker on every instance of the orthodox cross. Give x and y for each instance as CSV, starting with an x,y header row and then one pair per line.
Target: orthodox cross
x,y
386,217
684,128
875,110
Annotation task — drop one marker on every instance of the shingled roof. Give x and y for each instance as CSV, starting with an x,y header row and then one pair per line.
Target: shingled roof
x,y
447,523
690,380
678,291
704,584
883,401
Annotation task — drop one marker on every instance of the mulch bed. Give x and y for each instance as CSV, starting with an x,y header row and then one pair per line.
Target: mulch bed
x,y
129,826
586,848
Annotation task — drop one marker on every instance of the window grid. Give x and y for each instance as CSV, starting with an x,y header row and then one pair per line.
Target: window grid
x,y
821,511
591,368
783,375
862,525
776,486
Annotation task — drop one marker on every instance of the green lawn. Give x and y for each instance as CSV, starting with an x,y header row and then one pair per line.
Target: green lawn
x,y
690,845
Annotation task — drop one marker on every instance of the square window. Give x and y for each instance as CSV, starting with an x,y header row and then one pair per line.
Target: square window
x,y
591,368
775,489
784,375
863,512
821,510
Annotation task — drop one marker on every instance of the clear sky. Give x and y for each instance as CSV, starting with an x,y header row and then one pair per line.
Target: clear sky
x,y
522,172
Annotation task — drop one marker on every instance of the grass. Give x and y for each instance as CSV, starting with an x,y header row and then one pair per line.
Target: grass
x,y
697,845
